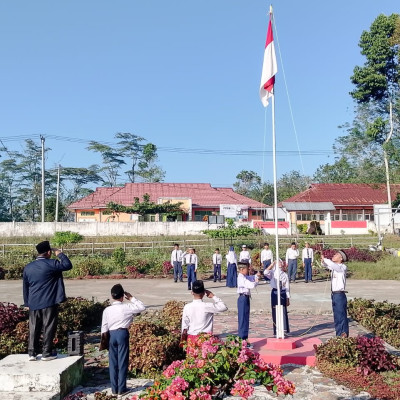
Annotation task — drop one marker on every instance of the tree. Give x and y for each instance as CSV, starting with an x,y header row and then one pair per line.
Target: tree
x,y
148,170
246,182
377,84
112,161
292,183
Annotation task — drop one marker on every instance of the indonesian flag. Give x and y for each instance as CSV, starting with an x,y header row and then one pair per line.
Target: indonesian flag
x,y
269,70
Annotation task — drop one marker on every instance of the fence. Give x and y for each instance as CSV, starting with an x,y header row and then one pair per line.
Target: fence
x,y
336,242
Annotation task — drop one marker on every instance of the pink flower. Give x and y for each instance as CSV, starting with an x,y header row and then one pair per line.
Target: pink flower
x,y
243,388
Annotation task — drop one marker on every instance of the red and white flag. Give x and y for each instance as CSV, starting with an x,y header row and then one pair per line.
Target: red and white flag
x,y
270,68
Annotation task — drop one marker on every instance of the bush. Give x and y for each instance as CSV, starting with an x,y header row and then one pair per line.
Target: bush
x,y
2,273
119,256
171,315
382,318
77,314
355,254
60,239
88,266
10,315
338,350
152,347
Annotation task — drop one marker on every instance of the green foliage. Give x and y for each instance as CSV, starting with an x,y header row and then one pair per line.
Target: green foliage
x,y
302,228
232,232
90,265
119,257
10,315
147,207
382,318
77,314
60,239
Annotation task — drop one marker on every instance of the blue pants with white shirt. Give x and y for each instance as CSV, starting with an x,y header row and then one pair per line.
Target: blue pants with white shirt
x,y
339,307
292,269
191,275
307,269
243,305
118,355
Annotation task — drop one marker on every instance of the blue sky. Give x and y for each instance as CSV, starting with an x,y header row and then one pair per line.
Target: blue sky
x,y
182,74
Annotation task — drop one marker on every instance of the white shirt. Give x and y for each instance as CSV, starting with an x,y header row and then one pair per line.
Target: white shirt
x,y
176,255
267,255
291,254
283,278
198,315
217,258
307,252
245,256
190,259
338,275
231,258
120,314
245,283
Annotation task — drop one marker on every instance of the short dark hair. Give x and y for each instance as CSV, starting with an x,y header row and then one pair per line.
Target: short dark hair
x,y
117,291
198,287
217,249
266,244
176,244
293,244
43,247
242,264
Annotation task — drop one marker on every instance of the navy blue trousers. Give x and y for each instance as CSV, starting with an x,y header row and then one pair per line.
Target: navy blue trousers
x,y
339,307
274,303
292,269
243,305
191,275
231,275
217,272
266,264
178,274
118,355
307,269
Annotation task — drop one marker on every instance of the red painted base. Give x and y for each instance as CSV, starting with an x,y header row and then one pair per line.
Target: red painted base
x,y
281,351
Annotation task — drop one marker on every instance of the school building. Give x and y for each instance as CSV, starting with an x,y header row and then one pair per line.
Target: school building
x,y
200,200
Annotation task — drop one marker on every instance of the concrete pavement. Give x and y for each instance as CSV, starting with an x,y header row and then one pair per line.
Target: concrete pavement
x,y
310,298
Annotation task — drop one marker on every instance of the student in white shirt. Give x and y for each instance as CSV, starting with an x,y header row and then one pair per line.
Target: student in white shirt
x,y
308,258
271,273
291,260
266,257
198,316
338,289
245,283
176,261
116,320
244,255
217,261
190,259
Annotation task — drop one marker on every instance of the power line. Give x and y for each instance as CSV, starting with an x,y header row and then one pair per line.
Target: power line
x,y
221,152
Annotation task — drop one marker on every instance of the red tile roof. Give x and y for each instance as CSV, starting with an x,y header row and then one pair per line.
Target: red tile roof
x,y
343,194
202,195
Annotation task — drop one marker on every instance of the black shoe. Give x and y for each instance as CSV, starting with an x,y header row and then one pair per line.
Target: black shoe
x,y
215,281
175,281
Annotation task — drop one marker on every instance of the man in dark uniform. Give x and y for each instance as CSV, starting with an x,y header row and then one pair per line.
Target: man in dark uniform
x,y
43,289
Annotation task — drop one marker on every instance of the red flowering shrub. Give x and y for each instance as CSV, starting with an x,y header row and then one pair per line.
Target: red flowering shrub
x,y
166,267
214,368
10,315
353,254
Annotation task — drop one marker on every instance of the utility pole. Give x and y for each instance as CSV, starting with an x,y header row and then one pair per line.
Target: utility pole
x,y
43,199
385,158
58,193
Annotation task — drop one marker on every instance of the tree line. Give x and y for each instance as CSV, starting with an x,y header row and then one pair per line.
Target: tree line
x,y
367,152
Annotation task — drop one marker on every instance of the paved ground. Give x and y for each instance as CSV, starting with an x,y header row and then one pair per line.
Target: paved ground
x,y
310,298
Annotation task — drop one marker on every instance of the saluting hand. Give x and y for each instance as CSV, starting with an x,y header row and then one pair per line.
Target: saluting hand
x,y
128,296
209,294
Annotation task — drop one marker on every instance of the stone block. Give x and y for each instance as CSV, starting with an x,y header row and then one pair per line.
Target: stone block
x,y
52,378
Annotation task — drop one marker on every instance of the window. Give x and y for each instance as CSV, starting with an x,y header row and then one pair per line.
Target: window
x,y
198,215
87,213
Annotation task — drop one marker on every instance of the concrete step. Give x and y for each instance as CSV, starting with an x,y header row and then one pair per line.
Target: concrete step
x,y
54,379
298,351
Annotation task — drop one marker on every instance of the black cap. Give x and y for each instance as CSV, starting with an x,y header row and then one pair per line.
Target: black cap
x,y
198,287
117,291
43,247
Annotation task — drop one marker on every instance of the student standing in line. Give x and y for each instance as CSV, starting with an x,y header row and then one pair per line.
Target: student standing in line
x,y
338,288
308,259
291,260
176,261
270,272
266,257
217,261
116,320
231,264
244,255
191,261
244,284
198,316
